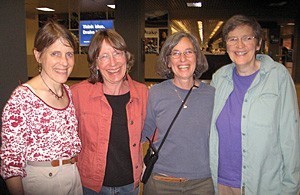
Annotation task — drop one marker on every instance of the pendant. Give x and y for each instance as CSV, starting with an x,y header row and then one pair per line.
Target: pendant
x,y
184,106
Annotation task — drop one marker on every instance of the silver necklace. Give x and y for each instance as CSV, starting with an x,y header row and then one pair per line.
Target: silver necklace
x,y
52,92
184,105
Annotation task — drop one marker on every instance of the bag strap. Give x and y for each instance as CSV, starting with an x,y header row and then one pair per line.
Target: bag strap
x,y
175,117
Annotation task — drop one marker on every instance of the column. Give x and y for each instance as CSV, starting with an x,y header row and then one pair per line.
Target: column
x,y
13,65
130,23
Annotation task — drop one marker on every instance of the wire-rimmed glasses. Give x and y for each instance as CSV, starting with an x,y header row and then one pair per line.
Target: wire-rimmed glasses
x,y
177,54
231,41
106,56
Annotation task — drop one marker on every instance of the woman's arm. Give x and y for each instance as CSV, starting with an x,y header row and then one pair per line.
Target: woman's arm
x,y
14,185
14,139
149,123
289,136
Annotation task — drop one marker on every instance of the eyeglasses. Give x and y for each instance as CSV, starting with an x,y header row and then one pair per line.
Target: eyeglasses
x,y
106,57
187,53
234,40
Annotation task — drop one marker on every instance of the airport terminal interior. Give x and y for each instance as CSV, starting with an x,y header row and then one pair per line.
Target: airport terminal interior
x,y
145,24
162,18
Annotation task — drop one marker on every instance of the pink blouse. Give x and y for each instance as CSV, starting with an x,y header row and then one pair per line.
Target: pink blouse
x,y
35,131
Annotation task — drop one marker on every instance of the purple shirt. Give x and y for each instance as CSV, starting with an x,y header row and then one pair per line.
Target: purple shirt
x,y
229,129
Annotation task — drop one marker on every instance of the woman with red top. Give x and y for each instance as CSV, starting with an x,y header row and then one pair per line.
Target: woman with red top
x,y
39,126
111,109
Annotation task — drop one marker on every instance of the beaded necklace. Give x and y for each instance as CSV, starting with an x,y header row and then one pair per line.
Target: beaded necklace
x,y
52,92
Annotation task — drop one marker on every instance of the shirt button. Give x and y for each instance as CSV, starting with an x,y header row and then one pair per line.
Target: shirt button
x,y
50,174
134,145
244,167
244,150
244,116
136,166
131,122
243,134
246,100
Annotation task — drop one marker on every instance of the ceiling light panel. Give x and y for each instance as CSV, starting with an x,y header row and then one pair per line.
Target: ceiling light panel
x,y
45,9
195,4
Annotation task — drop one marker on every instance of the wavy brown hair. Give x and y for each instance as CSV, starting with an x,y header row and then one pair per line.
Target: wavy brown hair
x,y
116,41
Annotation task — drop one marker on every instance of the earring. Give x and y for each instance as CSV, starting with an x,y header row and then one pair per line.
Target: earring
x,y
169,70
98,75
40,67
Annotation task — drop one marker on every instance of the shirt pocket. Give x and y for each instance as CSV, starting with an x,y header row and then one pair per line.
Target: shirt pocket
x,y
264,110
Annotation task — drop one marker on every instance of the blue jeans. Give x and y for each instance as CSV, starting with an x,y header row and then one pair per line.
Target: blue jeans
x,y
122,190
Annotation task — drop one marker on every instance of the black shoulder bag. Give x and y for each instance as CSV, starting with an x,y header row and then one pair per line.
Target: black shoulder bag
x,y
152,153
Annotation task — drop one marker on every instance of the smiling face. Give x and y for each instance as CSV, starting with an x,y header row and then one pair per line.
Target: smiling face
x,y
57,61
184,66
111,63
242,53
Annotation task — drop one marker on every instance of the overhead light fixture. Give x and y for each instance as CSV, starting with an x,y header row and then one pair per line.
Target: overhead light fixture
x,y
200,28
45,9
278,4
195,4
112,6
216,29
173,29
181,25
291,24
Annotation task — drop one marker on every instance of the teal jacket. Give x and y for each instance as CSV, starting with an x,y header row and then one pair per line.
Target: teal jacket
x,y
269,128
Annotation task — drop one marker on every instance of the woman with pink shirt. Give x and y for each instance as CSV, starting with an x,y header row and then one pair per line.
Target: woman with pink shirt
x,y
111,108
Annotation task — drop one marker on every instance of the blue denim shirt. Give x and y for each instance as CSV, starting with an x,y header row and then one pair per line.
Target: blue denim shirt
x,y
269,127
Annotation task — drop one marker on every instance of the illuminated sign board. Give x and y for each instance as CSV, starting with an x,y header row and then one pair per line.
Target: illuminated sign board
x,y
87,28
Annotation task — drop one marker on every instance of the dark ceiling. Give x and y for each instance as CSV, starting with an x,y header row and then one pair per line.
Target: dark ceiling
x,y
220,4
212,11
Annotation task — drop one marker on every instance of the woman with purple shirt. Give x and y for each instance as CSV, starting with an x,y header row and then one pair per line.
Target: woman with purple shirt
x,y
254,139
